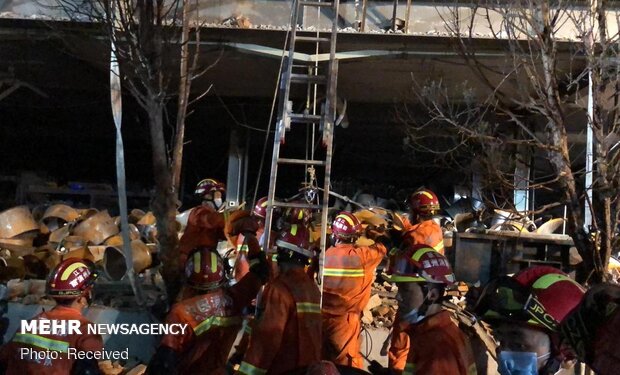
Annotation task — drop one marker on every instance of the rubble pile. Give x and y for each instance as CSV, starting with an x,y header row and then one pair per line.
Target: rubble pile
x,y
381,308
32,243
115,368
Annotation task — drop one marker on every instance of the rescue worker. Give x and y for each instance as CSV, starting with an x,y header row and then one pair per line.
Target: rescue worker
x,y
419,229
70,285
525,311
438,346
210,223
286,335
205,225
214,316
260,213
592,329
348,274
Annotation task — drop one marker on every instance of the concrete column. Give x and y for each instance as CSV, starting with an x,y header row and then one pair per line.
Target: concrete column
x,y
237,168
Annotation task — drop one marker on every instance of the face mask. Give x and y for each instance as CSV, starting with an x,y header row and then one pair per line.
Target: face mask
x,y
217,202
412,316
518,363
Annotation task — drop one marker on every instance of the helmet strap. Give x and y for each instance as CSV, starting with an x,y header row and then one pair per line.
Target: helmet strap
x,y
88,295
552,365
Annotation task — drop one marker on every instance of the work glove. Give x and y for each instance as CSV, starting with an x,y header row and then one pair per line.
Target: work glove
x,y
592,329
374,232
379,234
376,368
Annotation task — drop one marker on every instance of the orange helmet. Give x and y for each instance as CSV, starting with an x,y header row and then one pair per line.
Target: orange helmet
x,y
346,226
208,186
204,269
424,202
72,278
260,208
421,264
540,296
296,238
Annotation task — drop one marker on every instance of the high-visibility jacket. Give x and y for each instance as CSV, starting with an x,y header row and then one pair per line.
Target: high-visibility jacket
x,y
438,346
429,233
205,227
214,321
426,232
348,274
286,334
19,362
399,346
246,244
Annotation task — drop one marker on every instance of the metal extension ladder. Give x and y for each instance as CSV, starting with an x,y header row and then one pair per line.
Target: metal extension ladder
x,y
319,113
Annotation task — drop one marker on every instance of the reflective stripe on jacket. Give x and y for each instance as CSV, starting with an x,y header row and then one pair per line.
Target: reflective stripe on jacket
x,y
214,321
427,232
287,333
438,346
18,364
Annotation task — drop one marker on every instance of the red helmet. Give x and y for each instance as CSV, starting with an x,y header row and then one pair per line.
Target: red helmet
x,y
424,202
421,264
204,269
208,186
540,296
260,208
72,278
296,238
297,215
346,226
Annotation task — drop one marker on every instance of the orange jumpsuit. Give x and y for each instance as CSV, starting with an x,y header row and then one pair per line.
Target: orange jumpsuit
x,y
246,244
18,363
349,272
427,232
205,227
286,335
214,320
439,347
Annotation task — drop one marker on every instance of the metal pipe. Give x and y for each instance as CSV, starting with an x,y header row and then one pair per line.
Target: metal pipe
x,y
587,222
394,15
364,7
407,16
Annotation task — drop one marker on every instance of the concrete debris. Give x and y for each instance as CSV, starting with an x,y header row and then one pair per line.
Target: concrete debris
x,y
138,370
382,306
109,368
241,22
374,301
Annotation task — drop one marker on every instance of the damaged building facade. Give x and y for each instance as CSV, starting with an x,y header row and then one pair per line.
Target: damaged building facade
x,y
447,95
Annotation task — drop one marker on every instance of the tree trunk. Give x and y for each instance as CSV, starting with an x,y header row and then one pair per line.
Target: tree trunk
x,y
184,89
164,202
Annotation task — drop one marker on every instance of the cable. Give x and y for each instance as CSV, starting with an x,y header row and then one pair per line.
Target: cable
x,y
367,342
273,106
237,122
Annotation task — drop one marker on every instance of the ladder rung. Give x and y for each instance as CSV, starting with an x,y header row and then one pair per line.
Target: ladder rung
x,y
313,39
305,78
301,161
297,204
303,118
317,3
